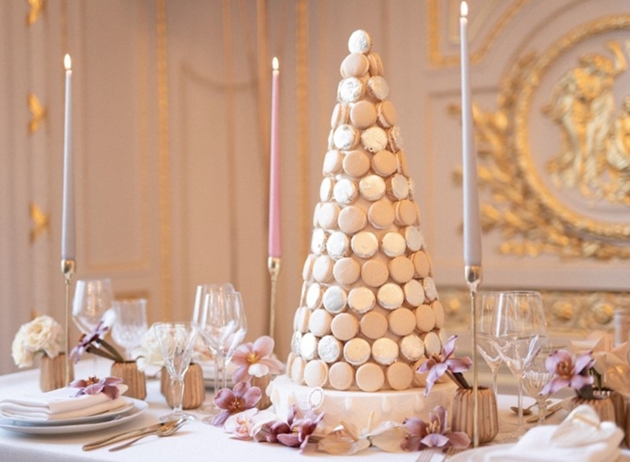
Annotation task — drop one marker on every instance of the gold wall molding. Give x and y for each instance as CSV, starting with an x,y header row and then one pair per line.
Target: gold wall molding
x,y
532,217
434,22
38,113
41,222
36,7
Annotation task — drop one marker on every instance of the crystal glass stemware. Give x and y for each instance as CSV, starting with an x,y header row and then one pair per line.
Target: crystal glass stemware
x,y
485,335
520,331
130,324
92,298
535,377
176,342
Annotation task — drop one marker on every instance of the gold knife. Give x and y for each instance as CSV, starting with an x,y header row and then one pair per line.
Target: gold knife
x,y
550,410
122,436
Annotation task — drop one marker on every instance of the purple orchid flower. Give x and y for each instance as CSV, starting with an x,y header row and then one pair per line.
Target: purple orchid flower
x,y
293,433
241,398
567,372
422,435
94,386
438,365
254,359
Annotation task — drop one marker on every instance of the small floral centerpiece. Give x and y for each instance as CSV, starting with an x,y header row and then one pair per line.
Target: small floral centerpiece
x,y
433,434
43,335
148,353
570,371
445,363
94,386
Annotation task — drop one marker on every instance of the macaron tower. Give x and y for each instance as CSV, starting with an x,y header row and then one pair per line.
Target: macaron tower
x,y
369,310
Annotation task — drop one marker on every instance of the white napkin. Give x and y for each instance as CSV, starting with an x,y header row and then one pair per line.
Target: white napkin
x,y
581,437
60,404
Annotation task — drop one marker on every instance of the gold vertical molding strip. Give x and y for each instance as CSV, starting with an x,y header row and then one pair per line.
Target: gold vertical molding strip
x,y
37,6
228,53
163,149
302,121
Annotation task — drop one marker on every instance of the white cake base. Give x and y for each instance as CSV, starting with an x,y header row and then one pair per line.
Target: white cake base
x,y
358,407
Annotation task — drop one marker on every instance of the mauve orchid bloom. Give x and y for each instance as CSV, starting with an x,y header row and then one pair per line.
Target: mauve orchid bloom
x,y
254,359
241,398
94,386
438,365
567,373
244,424
422,435
293,433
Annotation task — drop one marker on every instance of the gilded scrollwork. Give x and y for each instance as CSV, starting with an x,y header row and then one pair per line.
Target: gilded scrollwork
x,y
528,212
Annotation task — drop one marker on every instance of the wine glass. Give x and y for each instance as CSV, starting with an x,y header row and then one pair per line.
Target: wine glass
x,y
130,324
535,377
520,331
223,326
92,298
485,344
176,342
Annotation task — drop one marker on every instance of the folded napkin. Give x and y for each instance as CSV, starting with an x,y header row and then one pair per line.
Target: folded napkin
x,y
60,404
581,437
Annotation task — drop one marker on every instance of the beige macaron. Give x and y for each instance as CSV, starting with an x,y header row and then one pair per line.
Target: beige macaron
x,y
357,351
372,187
376,64
344,326
361,299
345,191
356,163
297,369
364,244
316,373
354,65
340,115
397,187
414,292
384,351
300,320
393,244
296,340
318,241
373,325
381,214
430,291
414,238
374,273
346,271
378,88
350,90
386,114
341,376
394,138
360,42
438,311
384,163
326,189
419,378
432,344
322,268
314,296
307,269
374,139
329,349
327,215
363,114
337,246
319,322
390,296
402,321
401,269
421,264
308,346
332,162
345,137
352,219
412,347
399,376
425,318
335,299
370,377
406,212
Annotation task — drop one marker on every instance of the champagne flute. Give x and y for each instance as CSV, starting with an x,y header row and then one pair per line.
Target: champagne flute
x,y
485,343
130,324
520,331
176,342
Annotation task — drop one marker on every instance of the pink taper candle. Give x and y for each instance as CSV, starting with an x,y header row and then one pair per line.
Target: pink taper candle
x,y
472,228
275,218
67,221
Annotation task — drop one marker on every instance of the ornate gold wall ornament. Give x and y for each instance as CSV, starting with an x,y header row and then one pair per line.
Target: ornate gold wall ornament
x,y
41,222
521,199
38,113
37,6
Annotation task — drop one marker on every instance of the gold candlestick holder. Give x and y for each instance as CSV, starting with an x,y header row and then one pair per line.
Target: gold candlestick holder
x,y
273,264
68,268
473,279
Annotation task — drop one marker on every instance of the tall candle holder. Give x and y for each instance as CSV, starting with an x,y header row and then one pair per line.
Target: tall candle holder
x,y
273,264
473,275
68,268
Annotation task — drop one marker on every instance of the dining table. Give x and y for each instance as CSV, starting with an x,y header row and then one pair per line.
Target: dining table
x,y
195,441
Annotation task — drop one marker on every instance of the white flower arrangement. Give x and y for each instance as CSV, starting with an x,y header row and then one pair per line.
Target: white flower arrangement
x,y
148,353
42,335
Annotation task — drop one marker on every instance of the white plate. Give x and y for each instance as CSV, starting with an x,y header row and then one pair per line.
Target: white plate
x,y
478,454
108,415
138,408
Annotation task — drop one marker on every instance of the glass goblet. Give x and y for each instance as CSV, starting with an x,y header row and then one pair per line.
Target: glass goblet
x,y
485,343
535,377
130,324
92,298
520,331
176,342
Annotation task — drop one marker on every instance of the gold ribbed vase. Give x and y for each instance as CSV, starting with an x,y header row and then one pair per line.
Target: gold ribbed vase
x,y
462,413
262,383
194,390
52,372
132,377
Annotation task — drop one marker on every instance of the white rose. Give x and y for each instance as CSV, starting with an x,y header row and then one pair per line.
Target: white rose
x,y
44,334
148,353
21,356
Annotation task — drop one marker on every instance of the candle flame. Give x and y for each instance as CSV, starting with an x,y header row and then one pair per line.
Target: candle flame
x,y
67,62
274,64
463,9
